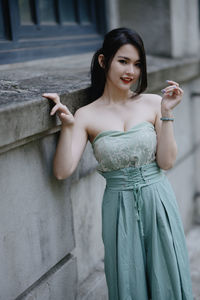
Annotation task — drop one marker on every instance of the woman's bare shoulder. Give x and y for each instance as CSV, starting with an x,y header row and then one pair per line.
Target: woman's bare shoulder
x,y
153,97
84,113
88,108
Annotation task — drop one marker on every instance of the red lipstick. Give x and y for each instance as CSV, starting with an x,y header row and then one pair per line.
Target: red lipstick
x,y
126,80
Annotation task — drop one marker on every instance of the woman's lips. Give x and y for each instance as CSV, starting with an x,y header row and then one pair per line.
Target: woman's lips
x,y
126,80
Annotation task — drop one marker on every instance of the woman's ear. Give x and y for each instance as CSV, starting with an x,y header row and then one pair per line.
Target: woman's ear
x,y
101,60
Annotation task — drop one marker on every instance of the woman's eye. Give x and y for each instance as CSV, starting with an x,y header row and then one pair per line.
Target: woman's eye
x,y
122,61
138,65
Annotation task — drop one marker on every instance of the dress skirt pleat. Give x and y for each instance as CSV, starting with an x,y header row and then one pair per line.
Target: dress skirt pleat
x,y
144,242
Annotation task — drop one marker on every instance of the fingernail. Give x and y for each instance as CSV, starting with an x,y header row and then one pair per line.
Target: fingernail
x,y
168,80
163,91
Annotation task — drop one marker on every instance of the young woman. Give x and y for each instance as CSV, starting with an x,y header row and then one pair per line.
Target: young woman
x,y
133,141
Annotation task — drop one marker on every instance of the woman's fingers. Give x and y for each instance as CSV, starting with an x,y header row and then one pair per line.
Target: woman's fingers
x,y
52,96
173,89
60,108
181,90
172,82
67,119
54,109
64,113
169,89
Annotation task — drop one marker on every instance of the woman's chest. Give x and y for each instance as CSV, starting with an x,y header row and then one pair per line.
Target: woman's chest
x,y
117,120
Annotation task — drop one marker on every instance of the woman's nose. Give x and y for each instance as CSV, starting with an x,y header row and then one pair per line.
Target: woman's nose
x,y
130,69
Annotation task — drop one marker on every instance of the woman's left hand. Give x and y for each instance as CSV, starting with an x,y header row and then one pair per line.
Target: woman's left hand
x,y
172,96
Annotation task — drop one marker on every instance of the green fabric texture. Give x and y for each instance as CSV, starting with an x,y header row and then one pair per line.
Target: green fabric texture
x,y
116,149
144,242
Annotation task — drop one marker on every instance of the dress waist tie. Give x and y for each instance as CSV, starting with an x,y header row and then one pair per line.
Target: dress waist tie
x,y
134,178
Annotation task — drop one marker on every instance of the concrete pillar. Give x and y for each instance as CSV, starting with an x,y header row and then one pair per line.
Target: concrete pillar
x,y
168,28
195,109
112,14
184,27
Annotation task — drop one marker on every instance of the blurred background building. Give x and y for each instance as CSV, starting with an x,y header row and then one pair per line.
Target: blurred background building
x,y
50,230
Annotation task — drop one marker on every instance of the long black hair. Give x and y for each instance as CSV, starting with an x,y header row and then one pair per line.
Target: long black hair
x,y
113,40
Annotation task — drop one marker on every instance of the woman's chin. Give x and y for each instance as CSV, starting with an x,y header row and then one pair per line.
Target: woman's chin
x,y
125,87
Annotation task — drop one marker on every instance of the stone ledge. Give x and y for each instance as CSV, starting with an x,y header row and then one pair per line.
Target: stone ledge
x,y
21,122
24,114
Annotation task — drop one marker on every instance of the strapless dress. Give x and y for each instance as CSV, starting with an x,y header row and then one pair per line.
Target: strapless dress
x,y
145,253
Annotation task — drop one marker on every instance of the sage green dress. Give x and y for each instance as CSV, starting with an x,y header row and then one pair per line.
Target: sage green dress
x,y
145,250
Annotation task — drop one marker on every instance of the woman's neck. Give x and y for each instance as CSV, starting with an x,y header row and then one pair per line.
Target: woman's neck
x,y
114,96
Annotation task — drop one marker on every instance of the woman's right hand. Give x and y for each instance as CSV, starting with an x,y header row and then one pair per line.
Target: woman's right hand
x,y
64,114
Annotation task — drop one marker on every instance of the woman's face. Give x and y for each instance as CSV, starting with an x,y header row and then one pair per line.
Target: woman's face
x,y
125,69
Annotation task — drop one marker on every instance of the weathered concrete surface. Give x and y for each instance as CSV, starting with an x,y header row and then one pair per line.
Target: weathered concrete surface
x,y
193,245
26,101
94,286
86,196
56,284
25,82
183,186
36,225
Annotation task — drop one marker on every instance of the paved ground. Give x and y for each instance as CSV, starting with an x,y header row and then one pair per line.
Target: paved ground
x,y
193,244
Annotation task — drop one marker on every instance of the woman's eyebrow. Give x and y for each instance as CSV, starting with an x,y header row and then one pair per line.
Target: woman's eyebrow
x,y
127,58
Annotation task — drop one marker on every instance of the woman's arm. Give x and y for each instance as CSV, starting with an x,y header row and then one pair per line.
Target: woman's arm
x,y
72,139
70,147
166,143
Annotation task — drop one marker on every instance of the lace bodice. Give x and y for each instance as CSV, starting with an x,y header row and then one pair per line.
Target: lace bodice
x,y
114,149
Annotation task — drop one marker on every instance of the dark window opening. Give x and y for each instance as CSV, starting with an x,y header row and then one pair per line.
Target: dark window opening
x,y
32,29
